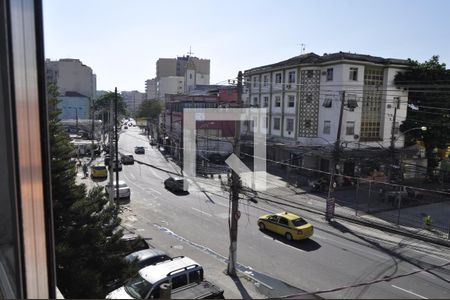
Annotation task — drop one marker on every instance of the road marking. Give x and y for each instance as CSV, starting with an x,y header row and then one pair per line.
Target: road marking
x,y
151,190
407,291
201,211
132,176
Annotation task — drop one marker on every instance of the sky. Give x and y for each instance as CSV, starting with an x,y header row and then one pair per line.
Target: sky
x,y
122,40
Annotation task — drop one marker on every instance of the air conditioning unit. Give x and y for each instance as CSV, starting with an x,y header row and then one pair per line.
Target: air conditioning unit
x,y
356,136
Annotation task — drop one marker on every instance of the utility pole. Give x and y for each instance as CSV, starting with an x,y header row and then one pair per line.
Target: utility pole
x,y
235,189
392,146
92,130
336,154
116,131
111,154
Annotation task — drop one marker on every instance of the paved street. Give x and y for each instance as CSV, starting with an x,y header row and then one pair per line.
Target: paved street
x,y
339,254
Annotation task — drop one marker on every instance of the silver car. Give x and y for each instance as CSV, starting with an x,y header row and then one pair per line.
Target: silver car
x,y
124,190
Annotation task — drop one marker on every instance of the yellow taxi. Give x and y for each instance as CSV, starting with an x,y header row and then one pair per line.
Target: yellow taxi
x,y
289,225
99,171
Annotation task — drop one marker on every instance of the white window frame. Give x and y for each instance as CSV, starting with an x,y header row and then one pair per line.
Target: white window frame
x,y
291,77
350,128
330,74
327,127
291,97
275,121
266,101
265,80
277,102
353,74
278,78
287,124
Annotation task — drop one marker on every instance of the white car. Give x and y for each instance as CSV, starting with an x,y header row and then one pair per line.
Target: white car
x,y
179,271
124,189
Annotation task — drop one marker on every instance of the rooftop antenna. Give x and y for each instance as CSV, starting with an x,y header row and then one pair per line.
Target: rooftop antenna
x,y
190,51
303,48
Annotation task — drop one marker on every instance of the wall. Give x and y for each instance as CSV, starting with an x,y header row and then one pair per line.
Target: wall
x,y
67,105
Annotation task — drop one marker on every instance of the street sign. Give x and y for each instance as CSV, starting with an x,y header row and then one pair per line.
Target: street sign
x,y
329,213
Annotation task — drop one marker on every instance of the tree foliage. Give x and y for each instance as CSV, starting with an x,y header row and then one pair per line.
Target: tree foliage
x,y
149,109
87,239
102,104
428,86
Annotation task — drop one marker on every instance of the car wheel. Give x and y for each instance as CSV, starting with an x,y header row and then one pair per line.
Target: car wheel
x,y
262,226
288,236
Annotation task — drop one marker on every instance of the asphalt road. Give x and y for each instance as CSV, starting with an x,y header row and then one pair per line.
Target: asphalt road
x,y
338,255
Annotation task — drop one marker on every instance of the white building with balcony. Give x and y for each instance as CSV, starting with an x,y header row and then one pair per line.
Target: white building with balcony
x,y
304,95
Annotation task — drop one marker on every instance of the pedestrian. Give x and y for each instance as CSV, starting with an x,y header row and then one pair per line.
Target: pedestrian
x,y
85,171
427,221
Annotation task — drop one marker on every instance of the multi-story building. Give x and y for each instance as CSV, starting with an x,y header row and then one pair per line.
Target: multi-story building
x,y
133,100
180,75
212,136
150,89
71,75
304,95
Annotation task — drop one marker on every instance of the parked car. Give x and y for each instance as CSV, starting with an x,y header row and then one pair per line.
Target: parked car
x,y
142,259
133,243
124,190
289,225
99,171
139,150
153,142
147,257
176,184
179,271
127,159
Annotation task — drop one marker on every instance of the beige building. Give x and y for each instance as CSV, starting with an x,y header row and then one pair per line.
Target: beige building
x,y
150,89
71,75
133,99
180,75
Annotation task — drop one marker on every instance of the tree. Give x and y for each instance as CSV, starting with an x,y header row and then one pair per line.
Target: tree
x,y
149,109
102,104
87,239
428,86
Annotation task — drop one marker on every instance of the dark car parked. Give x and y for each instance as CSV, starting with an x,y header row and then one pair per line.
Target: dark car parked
x,y
139,150
127,159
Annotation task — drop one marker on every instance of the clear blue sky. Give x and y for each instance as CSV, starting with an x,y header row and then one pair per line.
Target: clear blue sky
x,y
121,40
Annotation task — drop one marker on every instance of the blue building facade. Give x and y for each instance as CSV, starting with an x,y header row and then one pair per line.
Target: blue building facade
x,y
74,106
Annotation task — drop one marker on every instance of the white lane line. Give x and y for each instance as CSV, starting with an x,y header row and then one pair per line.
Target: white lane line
x,y
132,176
407,291
277,241
201,211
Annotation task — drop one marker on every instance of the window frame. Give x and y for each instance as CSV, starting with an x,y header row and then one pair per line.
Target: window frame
x,y
330,74
276,121
347,128
353,74
290,120
326,124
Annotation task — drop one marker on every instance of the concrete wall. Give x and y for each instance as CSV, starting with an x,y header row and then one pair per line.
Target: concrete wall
x,y
70,106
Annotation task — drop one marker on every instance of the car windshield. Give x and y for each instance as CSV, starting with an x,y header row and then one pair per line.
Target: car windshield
x,y
138,287
299,222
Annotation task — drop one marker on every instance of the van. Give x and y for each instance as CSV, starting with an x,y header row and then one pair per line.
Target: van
x,y
178,271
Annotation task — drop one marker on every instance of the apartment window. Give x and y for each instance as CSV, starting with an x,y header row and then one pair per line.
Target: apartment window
x,y
267,122
277,101
255,82
278,78
265,80
255,100
352,103
291,101
289,125
308,123
266,101
291,77
327,102
350,128
329,74
353,75
190,76
326,127
276,123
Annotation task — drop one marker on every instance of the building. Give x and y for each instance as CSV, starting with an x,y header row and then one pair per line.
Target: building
x,y
150,89
74,106
71,75
180,75
304,95
213,137
133,100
